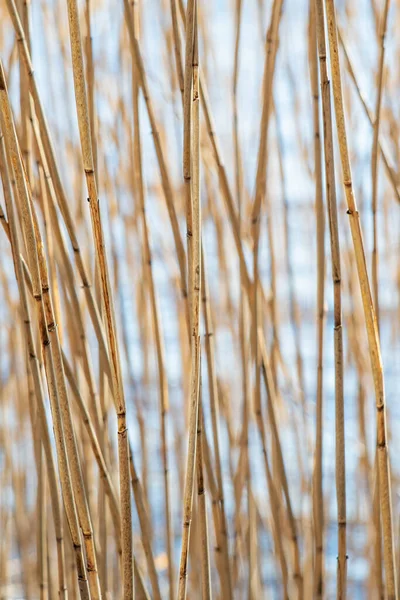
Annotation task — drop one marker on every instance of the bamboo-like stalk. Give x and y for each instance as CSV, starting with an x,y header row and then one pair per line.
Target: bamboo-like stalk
x,y
369,313
201,492
26,138
194,324
318,498
374,158
88,165
337,309
42,541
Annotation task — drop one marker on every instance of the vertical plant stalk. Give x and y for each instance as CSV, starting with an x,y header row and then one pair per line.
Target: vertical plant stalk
x,y
187,140
202,508
108,305
337,302
374,159
318,497
369,313
26,138
195,324
42,529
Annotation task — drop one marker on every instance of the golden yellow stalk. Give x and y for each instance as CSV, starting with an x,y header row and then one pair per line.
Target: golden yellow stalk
x,y
369,313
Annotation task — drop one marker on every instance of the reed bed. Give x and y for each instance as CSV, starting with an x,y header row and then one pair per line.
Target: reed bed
x,y
199,300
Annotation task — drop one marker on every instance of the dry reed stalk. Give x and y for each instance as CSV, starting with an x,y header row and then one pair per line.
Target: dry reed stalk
x,y
337,302
90,78
374,157
194,321
42,531
369,313
108,306
202,509
187,140
26,137
318,498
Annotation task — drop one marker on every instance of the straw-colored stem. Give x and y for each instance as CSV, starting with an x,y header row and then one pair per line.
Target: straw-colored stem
x,y
195,324
318,499
337,303
88,165
369,313
374,159
202,509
